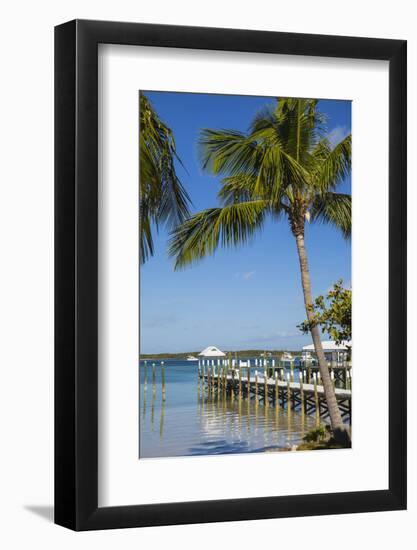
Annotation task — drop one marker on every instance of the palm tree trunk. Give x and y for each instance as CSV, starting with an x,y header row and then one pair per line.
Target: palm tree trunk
x,y
339,430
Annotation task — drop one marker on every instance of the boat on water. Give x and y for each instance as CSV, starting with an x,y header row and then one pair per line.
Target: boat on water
x,y
287,357
191,358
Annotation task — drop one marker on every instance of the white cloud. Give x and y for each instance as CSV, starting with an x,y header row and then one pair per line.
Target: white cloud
x,y
246,275
336,135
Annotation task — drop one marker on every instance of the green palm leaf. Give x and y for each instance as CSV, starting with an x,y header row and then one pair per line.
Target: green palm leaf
x,y
259,154
163,198
334,209
229,152
204,232
238,188
335,163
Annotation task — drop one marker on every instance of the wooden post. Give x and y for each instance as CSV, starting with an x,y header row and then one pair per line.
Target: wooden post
x,y
163,381
288,392
309,372
240,382
153,378
316,396
266,400
292,371
300,374
256,385
276,390
248,384
233,385
145,382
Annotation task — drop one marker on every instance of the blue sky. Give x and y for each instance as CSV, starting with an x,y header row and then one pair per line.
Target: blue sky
x,y
243,298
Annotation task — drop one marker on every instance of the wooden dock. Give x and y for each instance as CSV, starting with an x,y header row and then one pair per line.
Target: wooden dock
x,y
276,391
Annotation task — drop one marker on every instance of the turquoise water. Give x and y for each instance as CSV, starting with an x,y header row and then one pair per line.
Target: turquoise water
x,y
190,423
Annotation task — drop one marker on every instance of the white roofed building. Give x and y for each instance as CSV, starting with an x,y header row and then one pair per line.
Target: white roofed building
x,y
211,351
334,353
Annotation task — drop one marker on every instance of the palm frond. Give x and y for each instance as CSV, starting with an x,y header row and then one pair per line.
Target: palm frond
x,y
264,119
334,209
259,154
300,126
163,198
228,152
277,171
205,231
238,188
335,166
146,239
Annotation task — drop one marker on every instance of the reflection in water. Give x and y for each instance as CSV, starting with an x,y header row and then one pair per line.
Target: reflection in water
x,y
153,410
144,405
161,422
195,422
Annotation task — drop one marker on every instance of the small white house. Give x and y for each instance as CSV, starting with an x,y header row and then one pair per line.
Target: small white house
x,y
334,353
211,351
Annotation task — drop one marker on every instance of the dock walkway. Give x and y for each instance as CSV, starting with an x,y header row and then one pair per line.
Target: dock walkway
x,y
286,394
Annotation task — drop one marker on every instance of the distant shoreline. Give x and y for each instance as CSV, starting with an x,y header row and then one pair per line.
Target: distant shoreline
x,y
234,353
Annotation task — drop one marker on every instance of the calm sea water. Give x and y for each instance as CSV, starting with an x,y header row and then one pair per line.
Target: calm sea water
x,y
190,423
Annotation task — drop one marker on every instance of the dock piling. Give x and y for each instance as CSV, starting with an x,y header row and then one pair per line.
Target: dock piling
x,y
153,378
266,388
276,391
163,381
300,374
316,397
288,392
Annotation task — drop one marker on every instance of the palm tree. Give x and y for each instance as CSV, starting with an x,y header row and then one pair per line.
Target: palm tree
x,y
163,199
283,167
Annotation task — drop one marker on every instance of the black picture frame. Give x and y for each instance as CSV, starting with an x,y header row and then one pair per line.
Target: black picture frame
x,y
76,272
